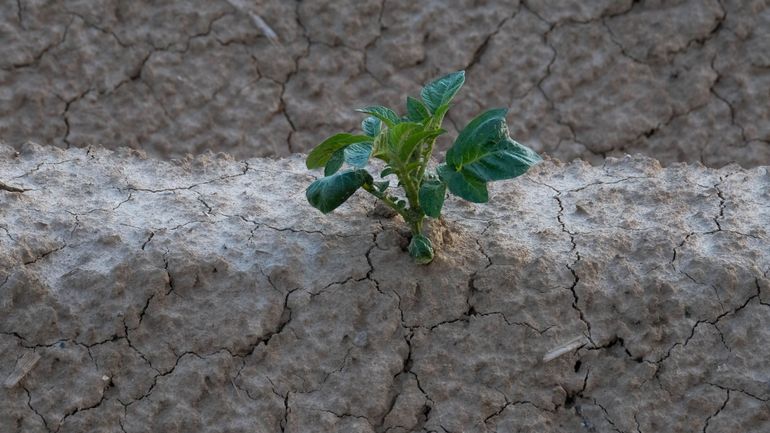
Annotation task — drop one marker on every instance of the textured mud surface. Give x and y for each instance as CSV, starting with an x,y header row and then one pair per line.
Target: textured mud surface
x,y
206,295
683,80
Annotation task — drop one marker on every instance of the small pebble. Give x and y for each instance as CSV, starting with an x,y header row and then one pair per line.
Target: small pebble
x,y
360,339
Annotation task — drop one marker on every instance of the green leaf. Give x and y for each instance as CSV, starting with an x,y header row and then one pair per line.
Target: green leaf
x,y
371,126
397,138
388,116
415,110
413,139
388,170
320,155
328,193
486,130
438,116
464,185
421,249
432,194
404,138
382,186
441,91
484,151
506,160
335,162
357,155
380,148
412,165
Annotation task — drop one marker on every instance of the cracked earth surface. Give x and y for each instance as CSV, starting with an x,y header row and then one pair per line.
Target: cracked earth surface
x,y
684,80
205,295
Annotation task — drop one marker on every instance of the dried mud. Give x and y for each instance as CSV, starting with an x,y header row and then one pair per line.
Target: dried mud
x,y
684,80
205,295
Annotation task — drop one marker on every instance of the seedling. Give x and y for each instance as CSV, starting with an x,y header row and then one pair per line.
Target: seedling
x,y
482,152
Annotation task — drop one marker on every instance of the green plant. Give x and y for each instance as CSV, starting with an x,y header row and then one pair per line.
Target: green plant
x,y
482,152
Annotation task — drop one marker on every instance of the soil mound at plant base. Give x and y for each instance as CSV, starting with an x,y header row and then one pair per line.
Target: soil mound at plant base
x,y
206,295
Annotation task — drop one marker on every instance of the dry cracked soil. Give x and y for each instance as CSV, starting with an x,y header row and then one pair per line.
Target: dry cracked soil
x,y
204,295
679,80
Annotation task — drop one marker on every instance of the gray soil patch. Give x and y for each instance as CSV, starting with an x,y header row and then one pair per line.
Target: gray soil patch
x,y
205,295
684,80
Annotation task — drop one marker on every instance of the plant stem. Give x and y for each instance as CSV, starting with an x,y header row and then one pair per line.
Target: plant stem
x,y
414,218
425,159
412,195
426,154
411,190
373,191
416,225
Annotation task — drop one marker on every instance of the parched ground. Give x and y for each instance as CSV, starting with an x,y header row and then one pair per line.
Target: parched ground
x,y
683,80
205,295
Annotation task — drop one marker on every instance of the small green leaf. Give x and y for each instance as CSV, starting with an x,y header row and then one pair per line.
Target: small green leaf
x,y
432,194
463,184
388,116
388,171
412,165
380,148
357,155
371,126
442,90
415,110
413,139
320,155
421,249
328,193
397,137
335,162
382,186
404,138
438,116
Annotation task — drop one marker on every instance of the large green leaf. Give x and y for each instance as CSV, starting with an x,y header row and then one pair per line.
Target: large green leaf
x,y
432,194
328,193
415,110
481,133
464,185
484,151
441,91
335,162
506,160
357,155
388,116
320,155
371,126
